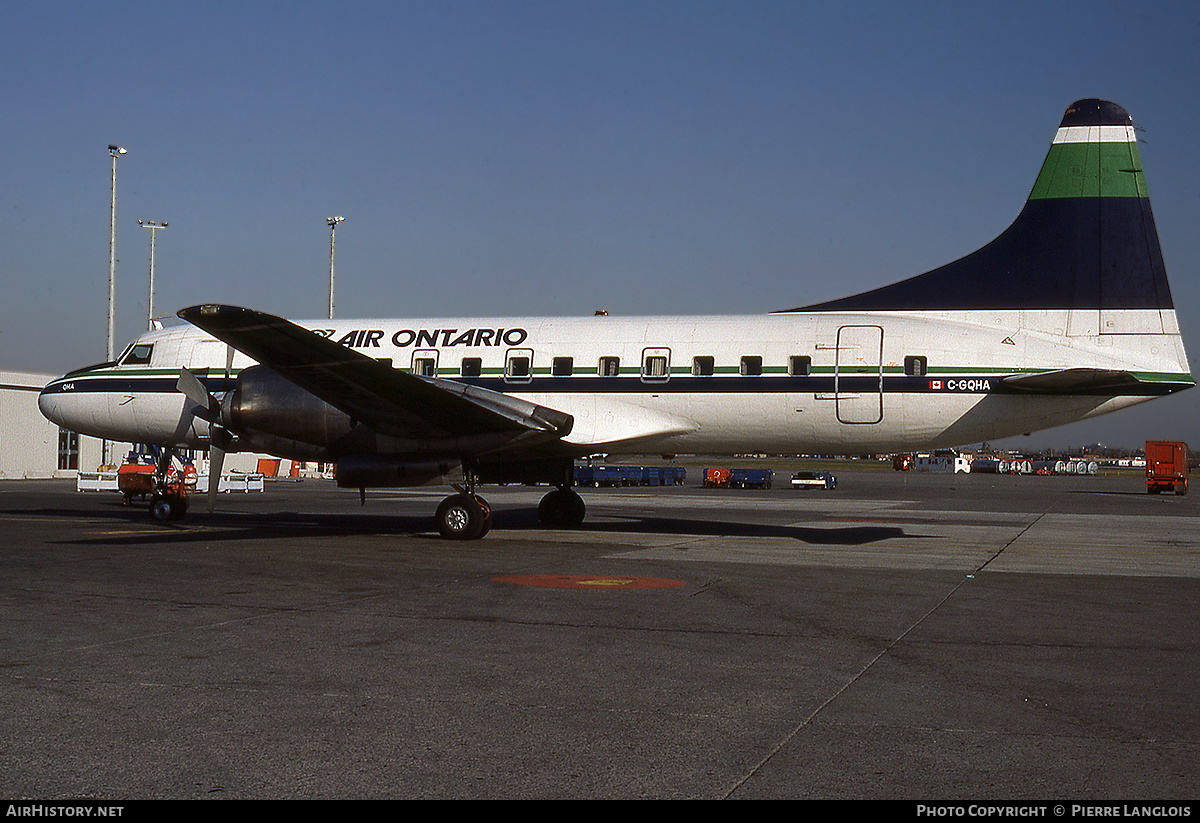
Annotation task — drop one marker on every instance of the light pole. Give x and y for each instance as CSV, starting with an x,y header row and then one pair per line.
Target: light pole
x,y
154,227
332,221
115,151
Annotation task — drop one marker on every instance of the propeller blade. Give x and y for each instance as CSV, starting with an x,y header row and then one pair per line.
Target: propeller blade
x,y
219,441
216,461
194,390
219,438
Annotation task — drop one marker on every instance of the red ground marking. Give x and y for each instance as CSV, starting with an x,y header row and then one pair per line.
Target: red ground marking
x,y
588,581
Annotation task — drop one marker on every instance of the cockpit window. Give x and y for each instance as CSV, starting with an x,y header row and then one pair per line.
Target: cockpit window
x,y
138,355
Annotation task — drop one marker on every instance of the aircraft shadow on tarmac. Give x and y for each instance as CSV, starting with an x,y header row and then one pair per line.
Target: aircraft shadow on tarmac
x,y
1109,492
841,536
139,528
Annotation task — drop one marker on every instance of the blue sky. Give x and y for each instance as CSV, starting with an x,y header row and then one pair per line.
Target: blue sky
x,y
558,157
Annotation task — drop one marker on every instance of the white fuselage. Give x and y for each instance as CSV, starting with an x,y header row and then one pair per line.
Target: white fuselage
x,y
813,382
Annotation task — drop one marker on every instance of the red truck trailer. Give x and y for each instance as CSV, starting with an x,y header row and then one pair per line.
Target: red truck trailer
x,y
1166,466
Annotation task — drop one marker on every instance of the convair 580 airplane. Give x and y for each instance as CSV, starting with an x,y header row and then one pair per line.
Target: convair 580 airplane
x,y
1065,315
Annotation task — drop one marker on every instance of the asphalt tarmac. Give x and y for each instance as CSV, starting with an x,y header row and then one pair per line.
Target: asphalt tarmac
x,y
966,637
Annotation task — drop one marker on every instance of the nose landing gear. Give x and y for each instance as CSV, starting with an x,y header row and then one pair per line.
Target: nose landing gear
x,y
168,506
168,488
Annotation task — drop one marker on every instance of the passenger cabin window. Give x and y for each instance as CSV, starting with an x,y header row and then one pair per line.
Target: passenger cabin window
x,y
751,365
138,355
610,366
916,366
656,365
425,366
518,366
703,366
471,367
800,365
562,366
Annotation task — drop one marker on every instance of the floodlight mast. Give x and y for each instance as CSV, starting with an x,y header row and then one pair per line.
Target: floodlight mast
x,y
115,152
332,221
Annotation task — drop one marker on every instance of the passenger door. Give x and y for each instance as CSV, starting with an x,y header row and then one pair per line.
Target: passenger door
x,y
858,374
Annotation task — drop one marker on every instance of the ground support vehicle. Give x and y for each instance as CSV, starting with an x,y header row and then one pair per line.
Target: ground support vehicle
x,y
1166,467
813,480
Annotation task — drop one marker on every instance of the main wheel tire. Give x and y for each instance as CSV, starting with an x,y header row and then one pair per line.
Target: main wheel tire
x,y
462,517
562,509
487,516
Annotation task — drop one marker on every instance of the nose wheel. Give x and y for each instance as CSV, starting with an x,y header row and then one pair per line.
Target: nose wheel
x,y
168,507
168,488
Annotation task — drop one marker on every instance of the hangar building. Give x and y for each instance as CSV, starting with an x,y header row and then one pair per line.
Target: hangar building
x,y
30,445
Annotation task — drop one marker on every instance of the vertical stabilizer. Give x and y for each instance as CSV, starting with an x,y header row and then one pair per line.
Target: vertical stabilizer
x,y
1084,242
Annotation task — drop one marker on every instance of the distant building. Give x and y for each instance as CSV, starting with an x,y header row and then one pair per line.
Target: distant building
x,y
30,445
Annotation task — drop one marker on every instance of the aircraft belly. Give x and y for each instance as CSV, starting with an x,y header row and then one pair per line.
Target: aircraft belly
x,y
999,415
774,423
607,419
128,417
806,423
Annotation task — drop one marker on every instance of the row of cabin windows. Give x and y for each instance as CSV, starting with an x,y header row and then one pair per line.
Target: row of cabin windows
x,y
654,366
519,366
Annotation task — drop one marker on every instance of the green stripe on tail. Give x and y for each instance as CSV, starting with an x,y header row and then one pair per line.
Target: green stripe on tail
x,y
1093,169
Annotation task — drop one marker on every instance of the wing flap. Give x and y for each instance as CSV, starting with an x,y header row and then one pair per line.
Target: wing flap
x,y
371,391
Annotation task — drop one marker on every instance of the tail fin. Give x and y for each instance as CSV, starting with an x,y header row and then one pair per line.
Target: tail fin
x,y
1084,241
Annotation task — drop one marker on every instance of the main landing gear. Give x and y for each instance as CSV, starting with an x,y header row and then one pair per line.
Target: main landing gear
x,y
464,516
467,516
562,509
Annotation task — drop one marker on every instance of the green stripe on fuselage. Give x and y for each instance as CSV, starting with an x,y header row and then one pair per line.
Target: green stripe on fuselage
x,y
1091,170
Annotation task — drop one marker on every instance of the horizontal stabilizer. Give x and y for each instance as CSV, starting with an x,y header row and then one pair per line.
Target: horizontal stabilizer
x,y
1071,381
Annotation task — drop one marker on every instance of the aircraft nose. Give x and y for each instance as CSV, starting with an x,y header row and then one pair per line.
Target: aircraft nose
x,y
49,405
60,403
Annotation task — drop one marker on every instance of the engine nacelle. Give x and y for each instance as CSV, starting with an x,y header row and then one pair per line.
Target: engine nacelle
x,y
265,402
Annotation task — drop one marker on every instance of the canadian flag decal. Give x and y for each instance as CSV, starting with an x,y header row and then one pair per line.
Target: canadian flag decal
x,y
935,385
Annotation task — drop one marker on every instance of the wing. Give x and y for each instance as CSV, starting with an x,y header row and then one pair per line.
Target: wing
x,y
388,400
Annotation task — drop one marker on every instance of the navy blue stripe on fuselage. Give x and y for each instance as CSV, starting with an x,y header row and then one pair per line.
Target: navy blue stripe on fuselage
x,y
761,384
